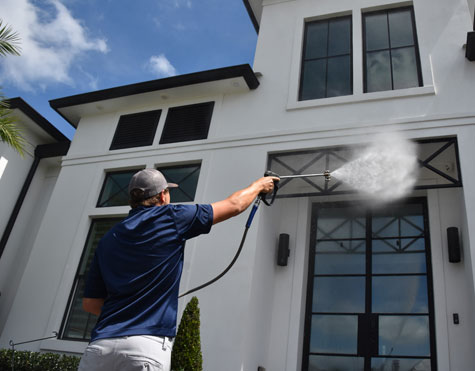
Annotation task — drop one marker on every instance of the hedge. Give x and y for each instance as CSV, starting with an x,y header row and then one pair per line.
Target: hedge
x,y
34,361
186,354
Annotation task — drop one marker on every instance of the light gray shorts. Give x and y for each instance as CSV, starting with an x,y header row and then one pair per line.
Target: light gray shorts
x,y
128,353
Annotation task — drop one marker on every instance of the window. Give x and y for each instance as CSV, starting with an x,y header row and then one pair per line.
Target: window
x,y
327,59
187,123
136,130
78,324
390,50
186,176
369,301
115,190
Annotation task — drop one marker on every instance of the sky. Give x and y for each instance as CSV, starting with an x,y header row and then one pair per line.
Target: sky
x,y
70,47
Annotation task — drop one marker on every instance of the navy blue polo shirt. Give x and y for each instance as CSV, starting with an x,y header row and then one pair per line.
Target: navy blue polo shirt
x,y
137,268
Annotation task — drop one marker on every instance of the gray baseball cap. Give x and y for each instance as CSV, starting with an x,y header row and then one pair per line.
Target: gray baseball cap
x,y
150,181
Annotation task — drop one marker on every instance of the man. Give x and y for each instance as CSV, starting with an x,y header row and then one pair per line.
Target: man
x,y
134,277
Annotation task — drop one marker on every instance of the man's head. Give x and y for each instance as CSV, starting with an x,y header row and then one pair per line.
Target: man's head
x,y
149,187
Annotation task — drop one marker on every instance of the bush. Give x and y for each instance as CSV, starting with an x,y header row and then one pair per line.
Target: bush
x,y
35,361
186,354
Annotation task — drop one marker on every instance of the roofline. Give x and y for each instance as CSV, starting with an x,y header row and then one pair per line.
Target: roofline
x,y
243,70
19,103
251,15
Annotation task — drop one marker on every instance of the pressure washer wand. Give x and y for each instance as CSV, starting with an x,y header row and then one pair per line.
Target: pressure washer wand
x,y
326,174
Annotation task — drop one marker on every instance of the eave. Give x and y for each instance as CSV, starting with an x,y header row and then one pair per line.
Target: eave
x,y
222,80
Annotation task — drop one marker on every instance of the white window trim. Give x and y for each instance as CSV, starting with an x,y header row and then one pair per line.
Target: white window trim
x,y
358,96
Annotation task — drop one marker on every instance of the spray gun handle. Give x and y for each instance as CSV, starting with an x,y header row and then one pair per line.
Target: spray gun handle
x,y
263,196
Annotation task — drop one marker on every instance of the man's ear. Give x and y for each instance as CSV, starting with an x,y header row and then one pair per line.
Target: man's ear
x,y
162,197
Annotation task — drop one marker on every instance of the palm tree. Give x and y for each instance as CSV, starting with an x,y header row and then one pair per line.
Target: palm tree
x,y
9,132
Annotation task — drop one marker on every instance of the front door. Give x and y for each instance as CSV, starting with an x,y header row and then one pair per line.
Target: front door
x,y
369,301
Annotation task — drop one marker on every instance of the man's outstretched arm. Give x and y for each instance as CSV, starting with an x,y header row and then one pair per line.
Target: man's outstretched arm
x,y
240,200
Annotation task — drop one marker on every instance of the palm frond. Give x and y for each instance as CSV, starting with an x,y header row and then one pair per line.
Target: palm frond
x,y
10,133
9,40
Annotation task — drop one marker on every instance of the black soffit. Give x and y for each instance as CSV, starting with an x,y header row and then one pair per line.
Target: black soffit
x,y
244,70
438,161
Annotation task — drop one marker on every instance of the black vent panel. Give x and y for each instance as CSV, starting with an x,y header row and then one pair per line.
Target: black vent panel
x,y
187,123
136,130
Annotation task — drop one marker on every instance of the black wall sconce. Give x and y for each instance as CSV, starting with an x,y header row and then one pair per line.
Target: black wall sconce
x,y
453,244
470,47
283,250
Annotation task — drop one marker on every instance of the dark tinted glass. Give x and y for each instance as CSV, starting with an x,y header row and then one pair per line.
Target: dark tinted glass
x,y
378,71
397,335
79,323
318,363
340,257
313,79
186,176
339,76
339,294
339,37
391,50
316,43
334,334
115,189
376,31
400,294
323,75
401,364
405,73
400,28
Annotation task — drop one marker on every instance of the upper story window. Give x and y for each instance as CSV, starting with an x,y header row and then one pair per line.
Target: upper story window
x,y
327,59
186,123
186,176
136,130
115,190
390,50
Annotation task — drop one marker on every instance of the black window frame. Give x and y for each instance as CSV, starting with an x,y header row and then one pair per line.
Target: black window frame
x,y
367,341
77,278
161,168
106,179
304,59
416,47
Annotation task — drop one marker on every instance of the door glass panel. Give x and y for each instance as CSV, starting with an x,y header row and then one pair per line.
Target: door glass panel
x,y
334,334
325,363
400,364
334,224
405,262
339,294
400,294
404,335
340,257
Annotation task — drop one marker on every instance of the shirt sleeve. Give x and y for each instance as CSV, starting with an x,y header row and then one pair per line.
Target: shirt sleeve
x,y
193,220
95,286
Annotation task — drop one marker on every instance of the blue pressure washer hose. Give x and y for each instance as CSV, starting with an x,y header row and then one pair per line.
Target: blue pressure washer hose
x,y
255,206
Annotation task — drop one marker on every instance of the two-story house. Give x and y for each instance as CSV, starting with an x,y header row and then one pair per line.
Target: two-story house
x,y
364,287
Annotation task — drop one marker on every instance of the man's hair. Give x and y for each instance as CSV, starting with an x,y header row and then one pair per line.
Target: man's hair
x,y
136,199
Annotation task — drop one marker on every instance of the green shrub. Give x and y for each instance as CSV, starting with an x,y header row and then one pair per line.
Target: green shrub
x,y
35,361
186,354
